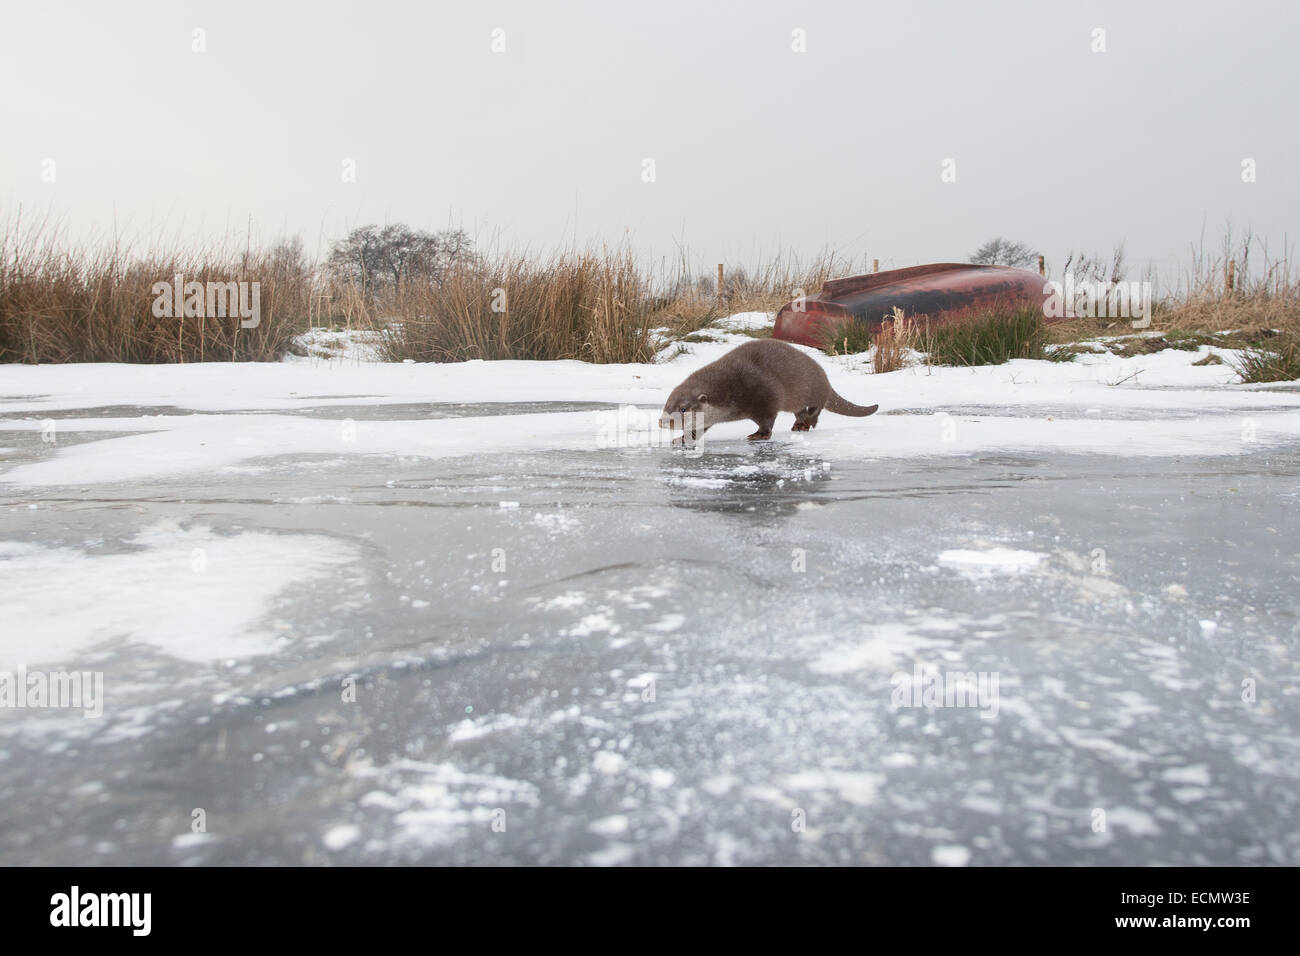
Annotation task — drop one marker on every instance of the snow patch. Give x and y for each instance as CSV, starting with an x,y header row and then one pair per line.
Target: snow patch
x,y
190,593
991,561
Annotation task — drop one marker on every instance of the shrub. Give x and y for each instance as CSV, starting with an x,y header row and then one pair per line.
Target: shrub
x,y
1279,362
984,337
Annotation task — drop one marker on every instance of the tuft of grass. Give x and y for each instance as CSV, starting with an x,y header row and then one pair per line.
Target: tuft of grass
x,y
1211,359
847,338
1140,345
1065,353
686,315
892,343
1279,362
984,337
1186,341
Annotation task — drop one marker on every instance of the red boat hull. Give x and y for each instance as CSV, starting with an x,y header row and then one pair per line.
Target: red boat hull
x,y
940,292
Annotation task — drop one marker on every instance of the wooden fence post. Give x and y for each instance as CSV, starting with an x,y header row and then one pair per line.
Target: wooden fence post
x,y
1042,266
720,290
1230,278
875,265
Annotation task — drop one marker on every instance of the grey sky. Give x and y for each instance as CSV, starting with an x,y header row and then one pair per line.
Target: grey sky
x,y
757,149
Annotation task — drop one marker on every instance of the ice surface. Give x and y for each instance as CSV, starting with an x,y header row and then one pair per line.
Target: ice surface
x,y
366,613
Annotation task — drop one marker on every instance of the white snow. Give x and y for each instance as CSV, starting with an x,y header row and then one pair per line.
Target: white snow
x,y
1136,822
745,320
339,837
1197,774
1096,405
950,855
190,593
609,763
613,826
857,788
883,647
990,561
346,345
189,841
433,803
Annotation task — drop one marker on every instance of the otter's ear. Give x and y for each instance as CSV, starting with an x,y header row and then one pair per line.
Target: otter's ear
x,y
702,398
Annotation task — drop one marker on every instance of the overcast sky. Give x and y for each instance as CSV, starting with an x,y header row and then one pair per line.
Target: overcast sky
x,y
756,148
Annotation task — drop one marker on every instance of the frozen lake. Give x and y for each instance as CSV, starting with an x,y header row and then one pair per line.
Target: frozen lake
x,y
370,615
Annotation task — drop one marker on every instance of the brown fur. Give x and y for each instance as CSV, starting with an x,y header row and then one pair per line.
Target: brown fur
x,y
755,381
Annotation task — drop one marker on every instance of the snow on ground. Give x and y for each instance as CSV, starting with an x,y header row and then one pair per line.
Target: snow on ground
x,y
217,591
1156,405
992,561
345,345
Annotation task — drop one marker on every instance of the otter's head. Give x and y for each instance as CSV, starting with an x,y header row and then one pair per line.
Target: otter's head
x,y
687,409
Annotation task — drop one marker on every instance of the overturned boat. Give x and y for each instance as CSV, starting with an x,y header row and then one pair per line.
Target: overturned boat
x,y
940,292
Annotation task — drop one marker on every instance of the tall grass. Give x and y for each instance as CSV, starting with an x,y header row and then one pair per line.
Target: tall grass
x,y
1265,293
776,281
593,306
75,305
889,346
896,337
690,301
596,308
65,303
1258,311
988,336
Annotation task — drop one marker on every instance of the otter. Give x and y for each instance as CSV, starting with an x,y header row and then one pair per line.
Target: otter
x,y
755,381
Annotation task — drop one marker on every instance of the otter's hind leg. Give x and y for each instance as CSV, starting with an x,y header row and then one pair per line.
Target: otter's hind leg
x,y
805,419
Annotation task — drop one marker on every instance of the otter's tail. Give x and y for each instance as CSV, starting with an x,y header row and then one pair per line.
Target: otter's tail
x,y
840,406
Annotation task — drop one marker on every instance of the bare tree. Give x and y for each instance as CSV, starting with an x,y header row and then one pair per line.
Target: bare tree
x,y
1004,252
390,257
287,257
